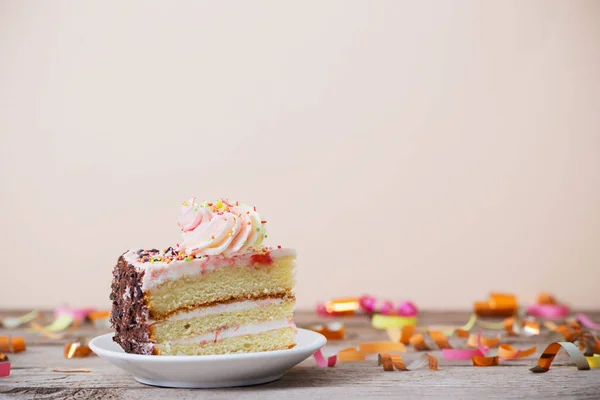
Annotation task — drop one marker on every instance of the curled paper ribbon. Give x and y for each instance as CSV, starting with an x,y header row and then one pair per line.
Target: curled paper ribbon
x,y
4,366
516,327
370,305
478,341
12,344
499,305
333,331
322,362
77,349
379,321
545,360
507,352
587,322
60,324
401,335
15,322
569,333
430,340
389,361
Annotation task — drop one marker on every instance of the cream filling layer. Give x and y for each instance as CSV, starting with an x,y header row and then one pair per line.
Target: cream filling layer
x,y
160,272
221,308
246,329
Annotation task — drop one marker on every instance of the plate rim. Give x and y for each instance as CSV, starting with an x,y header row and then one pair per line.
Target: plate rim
x,y
320,342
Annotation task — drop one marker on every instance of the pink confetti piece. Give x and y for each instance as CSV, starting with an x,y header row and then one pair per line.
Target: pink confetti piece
x,y
466,354
552,311
322,362
587,322
4,369
78,314
370,305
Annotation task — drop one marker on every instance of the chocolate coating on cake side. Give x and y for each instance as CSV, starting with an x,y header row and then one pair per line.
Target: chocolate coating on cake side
x,y
129,314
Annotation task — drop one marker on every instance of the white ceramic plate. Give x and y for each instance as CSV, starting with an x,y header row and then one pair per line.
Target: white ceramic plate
x,y
209,371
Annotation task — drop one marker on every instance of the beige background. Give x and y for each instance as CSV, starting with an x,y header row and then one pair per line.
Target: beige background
x,y
413,150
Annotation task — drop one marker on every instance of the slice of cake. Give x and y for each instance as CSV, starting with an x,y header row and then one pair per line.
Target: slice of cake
x,y
217,292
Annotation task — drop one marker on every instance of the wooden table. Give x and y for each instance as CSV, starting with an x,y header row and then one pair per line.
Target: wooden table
x,y
31,375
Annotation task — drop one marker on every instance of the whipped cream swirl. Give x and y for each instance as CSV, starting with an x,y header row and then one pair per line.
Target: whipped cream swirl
x,y
219,227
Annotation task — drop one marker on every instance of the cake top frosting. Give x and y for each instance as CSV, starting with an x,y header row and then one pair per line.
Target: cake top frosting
x,y
219,227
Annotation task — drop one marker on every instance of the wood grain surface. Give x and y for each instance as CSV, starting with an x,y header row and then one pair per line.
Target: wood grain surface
x,y
32,378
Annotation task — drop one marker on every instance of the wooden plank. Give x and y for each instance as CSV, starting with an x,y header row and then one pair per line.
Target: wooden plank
x,y
32,378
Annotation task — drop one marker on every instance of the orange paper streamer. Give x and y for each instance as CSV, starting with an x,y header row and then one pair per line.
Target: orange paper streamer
x,y
350,354
342,307
12,344
429,341
333,331
77,349
378,347
507,352
389,361
480,361
473,341
499,305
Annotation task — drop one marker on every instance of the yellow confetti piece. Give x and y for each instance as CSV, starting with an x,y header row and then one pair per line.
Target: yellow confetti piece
x,y
594,361
380,321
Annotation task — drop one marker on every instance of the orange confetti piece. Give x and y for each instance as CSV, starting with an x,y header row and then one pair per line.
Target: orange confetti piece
x,y
389,361
72,370
508,352
430,341
480,361
378,347
12,344
499,305
485,341
333,331
545,298
342,307
350,354
77,349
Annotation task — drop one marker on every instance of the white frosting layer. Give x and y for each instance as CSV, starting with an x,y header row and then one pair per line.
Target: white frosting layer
x,y
222,308
247,329
160,272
